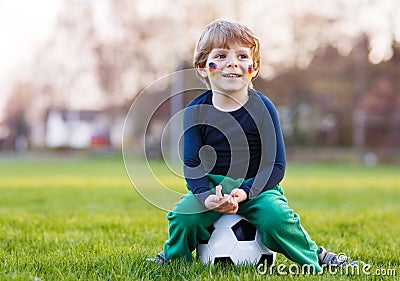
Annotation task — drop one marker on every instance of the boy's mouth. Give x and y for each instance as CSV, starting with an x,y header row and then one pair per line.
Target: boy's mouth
x,y
232,75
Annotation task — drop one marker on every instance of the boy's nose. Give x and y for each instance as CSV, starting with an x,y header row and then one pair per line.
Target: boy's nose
x,y
232,62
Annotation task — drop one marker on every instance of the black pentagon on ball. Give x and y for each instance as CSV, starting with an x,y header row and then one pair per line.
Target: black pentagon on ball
x,y
210,230
244,231
223,261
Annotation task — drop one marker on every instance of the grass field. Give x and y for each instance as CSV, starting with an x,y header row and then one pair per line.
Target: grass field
x,y
83,220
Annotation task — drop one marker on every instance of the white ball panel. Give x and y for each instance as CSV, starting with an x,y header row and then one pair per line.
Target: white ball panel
x,y
222,242
226,221
204,253
246,252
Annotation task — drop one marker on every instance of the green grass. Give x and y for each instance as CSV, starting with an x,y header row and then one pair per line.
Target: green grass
x,y
83,220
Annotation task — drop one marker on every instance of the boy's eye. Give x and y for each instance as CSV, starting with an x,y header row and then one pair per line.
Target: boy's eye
x,y
220,56
243,56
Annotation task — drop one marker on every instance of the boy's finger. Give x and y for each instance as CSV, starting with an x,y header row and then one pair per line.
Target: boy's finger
x,y
229,198
218,190
233,196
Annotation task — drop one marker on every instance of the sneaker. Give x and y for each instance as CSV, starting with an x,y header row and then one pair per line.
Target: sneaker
x,y
332,259
160,259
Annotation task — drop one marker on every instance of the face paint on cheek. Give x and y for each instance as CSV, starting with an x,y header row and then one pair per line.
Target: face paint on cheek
x,y
212,67
250,71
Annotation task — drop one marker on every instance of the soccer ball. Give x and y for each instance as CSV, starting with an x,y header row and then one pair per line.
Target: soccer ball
x,y
234,240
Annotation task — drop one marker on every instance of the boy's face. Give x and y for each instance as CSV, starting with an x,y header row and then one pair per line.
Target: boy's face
x,y
229,70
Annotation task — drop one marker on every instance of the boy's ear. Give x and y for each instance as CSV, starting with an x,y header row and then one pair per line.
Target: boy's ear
x,y
202,71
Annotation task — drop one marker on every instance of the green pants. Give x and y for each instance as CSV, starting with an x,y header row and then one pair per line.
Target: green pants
x,y
269,212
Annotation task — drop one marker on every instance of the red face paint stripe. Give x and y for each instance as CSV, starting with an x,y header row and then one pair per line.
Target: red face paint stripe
x,y
250,69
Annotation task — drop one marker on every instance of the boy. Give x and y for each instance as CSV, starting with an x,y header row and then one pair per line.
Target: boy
x,y
234,156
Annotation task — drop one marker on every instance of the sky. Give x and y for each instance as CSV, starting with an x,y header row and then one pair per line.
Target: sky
x,y
24,26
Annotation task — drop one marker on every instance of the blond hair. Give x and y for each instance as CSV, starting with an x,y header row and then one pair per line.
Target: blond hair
x,y
221,34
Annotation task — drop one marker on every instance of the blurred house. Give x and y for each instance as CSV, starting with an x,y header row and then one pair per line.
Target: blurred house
x,y
81,129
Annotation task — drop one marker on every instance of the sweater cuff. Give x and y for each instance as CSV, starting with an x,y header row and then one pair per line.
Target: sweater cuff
x,y
246,188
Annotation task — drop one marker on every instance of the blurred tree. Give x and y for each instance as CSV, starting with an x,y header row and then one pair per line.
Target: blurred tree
x,y
381,103
319,99
16,120
65,67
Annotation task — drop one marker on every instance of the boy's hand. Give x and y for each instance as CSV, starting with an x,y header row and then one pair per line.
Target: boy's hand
x,y
226,204
239,194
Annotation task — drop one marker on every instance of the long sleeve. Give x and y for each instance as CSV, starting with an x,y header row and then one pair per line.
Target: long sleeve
x,y
195,174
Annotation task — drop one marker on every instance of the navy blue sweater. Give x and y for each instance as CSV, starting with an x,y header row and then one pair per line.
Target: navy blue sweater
x,y
246,143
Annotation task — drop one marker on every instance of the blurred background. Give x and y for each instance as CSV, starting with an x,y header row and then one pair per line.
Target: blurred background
x,y
70,70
